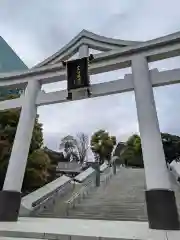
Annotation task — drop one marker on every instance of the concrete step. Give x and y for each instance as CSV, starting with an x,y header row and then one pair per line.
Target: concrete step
x,y
14,238
110,218
133,212
109,214
130,204
108,208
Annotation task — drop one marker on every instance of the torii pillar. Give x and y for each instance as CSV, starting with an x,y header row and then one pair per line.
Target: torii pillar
x,y
10,196
160,198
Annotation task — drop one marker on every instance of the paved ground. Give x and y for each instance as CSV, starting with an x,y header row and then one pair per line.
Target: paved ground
x,y
77,229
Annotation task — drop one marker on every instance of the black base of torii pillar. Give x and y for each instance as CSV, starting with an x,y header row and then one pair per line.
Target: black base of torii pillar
x,y
162,210
9,206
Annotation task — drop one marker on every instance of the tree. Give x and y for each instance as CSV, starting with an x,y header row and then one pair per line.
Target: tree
x,y
37,136
75,147
37,171
81,144
132,154
68,146
102,145
8,124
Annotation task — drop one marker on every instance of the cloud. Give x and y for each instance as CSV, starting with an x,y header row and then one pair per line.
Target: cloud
x,y
37,29
144,20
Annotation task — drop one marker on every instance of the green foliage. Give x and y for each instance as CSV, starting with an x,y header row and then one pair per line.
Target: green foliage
x,y
8,123
37,136
132,153
36,171
102,145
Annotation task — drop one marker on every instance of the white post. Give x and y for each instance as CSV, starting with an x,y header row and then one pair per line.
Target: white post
x,y
18,160
83,51
161,206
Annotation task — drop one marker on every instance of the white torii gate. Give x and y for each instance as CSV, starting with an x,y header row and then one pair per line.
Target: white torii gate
x,y
160,198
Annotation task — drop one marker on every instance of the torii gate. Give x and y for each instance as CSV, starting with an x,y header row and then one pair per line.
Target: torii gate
x,y
160,198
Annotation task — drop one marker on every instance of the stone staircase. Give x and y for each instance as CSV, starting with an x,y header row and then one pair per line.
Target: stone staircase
x,y
59,208
122,199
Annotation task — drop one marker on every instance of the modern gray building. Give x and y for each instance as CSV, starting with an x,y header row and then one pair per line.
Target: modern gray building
x,y
9,61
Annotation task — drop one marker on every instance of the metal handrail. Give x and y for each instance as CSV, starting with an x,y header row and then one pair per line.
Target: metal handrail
x,y
107,177
76,197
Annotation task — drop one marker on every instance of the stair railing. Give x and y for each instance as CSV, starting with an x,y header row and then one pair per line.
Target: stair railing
x,y
78,196
107,177
85,190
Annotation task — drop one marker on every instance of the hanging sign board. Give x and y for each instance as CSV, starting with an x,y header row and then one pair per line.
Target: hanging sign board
x,y
77,73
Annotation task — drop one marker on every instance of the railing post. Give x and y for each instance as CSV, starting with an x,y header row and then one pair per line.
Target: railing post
x,y
67,211
97,169
114,168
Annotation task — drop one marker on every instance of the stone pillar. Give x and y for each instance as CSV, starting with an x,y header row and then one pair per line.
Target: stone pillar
x,y
160,199
10,196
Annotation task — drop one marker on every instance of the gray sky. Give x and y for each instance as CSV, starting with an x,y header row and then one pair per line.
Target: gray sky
x,y
37,29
